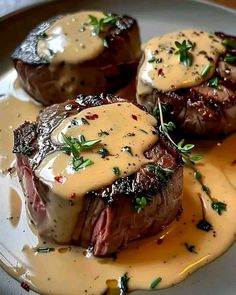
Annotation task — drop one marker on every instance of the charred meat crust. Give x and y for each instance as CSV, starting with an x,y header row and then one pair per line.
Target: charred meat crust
x,y
27,51
110,71
35,137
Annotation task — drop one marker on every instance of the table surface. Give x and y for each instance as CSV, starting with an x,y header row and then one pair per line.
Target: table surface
x,y
7,6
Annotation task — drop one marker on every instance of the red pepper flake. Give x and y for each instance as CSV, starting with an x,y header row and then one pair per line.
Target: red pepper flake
x,y
234,162
60,179
73,196
135,117
91,116
160,73
25,286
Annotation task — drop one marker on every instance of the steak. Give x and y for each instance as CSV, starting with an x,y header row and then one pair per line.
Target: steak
x,y
203,111
108,219
111,70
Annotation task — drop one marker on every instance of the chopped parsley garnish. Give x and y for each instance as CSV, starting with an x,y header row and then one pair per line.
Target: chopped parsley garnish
x,y
213,83
206,70
229,43
127,149
116,171
190,248
230,58
185,56
74,146
155,60
155,283
123,283
99,24
103,152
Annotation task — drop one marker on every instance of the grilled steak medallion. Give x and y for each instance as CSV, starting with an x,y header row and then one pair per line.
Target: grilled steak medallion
x,y
88,52
96,172
195,72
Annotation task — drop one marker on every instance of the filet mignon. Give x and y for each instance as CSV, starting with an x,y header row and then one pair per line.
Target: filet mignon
x,y
205,110
107,71
108,218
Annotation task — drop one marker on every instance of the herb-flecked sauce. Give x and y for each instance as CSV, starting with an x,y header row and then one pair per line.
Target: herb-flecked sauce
x,y
156,262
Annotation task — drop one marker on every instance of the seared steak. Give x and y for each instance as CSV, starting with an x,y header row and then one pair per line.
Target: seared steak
x,y
108,71
109,218
204,110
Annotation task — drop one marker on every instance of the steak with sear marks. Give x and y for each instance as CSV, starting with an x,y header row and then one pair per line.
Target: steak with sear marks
x,y
111,70
109,218
204,111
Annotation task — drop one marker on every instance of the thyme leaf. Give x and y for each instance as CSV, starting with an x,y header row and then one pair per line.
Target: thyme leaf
x,y
155,283
74,146
229,43
213,83
103,152
123,283
116,171
99,24
185,56
155,60
141,202
127,149
218,206
81,163
189,160
230,58
205,71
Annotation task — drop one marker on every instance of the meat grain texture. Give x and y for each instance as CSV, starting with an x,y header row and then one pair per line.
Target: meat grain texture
x,y
108,220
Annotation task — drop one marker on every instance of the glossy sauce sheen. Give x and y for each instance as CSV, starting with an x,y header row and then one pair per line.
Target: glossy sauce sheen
x,y
69,271
167,73
118,126
71,39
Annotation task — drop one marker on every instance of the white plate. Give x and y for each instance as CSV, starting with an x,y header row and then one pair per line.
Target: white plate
x,y
154,17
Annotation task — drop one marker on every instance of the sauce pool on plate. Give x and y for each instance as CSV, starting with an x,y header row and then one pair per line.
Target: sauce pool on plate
x,y
156,262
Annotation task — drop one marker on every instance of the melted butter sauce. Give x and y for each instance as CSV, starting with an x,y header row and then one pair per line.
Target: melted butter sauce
x,y
71,39
162,70
165,255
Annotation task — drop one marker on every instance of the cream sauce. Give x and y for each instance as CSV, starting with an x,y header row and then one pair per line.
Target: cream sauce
x,y
69,271
15,112
117,126
124,130
162,70
71,39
